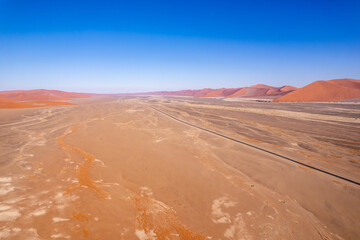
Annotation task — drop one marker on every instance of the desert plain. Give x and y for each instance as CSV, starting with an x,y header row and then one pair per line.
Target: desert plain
x,y
144,167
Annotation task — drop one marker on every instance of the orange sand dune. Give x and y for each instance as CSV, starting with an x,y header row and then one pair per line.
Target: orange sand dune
x,y
347,82
26,96
202,92
259,90
222,92
288,88
36,98
238,93
39,92
324,91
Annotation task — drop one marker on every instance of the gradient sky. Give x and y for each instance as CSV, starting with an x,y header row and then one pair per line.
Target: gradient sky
x,y
129,46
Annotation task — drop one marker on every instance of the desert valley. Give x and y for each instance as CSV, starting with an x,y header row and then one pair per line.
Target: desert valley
x,y
256,162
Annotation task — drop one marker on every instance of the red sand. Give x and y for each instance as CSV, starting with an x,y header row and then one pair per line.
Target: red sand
x,y
36,98
40,92
261,90
288,88
324,91
25,96
238,93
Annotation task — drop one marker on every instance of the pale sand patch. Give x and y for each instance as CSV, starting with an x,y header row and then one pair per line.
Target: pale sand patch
x,y
32,233
60,207
6,189
145,191
59,219
5,233
9,215
58,196
39,212
133,110
159,140
99,161
238,229
230,232
14,200
60,235
4,207
142,235
5,179
218,216
62,200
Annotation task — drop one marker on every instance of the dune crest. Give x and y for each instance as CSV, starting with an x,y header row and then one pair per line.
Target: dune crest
x,y
259,90
324,91
36,98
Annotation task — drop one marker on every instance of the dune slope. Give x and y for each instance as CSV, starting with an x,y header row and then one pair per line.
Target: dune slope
x,y
324,91
36,98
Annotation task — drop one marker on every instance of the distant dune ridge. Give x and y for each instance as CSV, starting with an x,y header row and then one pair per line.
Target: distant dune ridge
x,y
324,91
40,94
256,91
36,98
318,91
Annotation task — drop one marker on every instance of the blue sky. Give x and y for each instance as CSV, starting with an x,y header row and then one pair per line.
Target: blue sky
x,y
116,46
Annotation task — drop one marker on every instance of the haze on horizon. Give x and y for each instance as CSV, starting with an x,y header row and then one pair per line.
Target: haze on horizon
x,y
111,47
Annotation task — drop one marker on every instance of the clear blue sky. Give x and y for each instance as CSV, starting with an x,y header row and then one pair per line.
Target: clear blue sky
x,y
129,46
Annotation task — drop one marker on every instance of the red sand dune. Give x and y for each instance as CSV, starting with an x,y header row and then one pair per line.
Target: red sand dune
x,y
202,92
259,90
238,93
288,88
41,94
25,96
324,91
36,98
222,92
61,93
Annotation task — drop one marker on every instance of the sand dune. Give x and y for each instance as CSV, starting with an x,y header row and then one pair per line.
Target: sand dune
x,y
36,98
319,91
324,91
259,90
23,95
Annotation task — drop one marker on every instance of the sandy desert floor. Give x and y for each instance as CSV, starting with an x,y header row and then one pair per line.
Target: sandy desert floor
x,y
118,168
